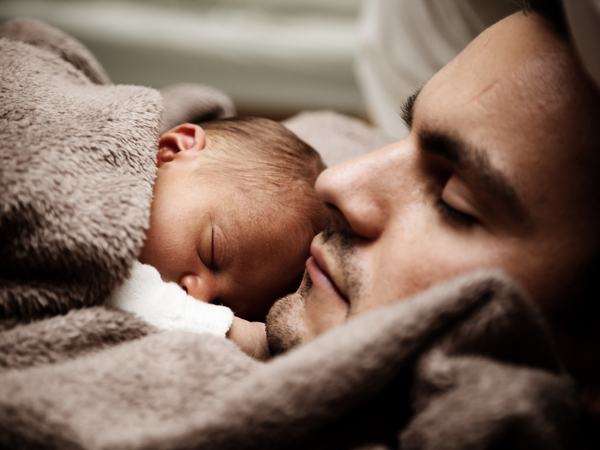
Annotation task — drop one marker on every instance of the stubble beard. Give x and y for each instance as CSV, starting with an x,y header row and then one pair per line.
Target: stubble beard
x,y
285,323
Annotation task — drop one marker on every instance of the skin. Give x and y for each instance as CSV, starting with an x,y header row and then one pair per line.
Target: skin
x,y
413,214
214,239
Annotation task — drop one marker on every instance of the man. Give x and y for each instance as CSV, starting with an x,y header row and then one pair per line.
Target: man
x,y
500,170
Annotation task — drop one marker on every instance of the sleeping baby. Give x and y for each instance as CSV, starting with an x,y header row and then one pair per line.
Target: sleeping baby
x,y
232,218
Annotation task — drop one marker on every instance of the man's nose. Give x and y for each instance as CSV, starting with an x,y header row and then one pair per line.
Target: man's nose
x,y
360,191
202,287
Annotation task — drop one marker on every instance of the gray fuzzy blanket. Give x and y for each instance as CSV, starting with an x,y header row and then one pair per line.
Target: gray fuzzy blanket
x,y
465,365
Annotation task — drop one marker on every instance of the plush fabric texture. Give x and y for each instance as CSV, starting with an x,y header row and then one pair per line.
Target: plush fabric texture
x,y
76,174
467,364
437,371
58,43
76,169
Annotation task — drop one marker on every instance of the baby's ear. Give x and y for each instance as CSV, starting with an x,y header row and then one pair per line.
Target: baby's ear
x,y
184,137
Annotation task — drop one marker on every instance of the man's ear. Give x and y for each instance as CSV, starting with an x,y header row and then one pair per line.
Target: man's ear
x,y
183,138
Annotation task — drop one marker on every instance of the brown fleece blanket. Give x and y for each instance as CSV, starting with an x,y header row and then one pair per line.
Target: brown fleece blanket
x,y
465,365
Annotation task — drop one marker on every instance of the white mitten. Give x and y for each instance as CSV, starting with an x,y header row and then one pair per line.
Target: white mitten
x,y
167,306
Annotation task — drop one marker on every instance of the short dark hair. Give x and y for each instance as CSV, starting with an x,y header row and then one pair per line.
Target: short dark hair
x,y
267,144
266,157
551,10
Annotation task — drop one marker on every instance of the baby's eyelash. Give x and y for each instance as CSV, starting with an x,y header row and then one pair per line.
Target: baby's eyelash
x,y
454,214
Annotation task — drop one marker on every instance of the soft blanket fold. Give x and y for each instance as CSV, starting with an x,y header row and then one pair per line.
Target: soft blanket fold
x,y
436,373
467,364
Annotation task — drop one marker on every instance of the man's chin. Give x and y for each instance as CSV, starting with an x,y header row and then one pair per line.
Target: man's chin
x,y
285,323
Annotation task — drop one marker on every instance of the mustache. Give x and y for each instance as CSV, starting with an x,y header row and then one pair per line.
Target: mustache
x,y
341,241
339,230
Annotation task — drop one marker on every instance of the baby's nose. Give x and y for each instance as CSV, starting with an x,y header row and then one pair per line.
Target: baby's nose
x,y
198,287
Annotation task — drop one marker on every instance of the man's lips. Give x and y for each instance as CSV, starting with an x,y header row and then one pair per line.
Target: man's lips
x,y
319,274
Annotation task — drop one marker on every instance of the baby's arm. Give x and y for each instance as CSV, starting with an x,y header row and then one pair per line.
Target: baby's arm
x,y
166,305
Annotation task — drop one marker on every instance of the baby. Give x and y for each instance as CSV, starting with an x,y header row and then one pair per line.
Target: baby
x,y
233,214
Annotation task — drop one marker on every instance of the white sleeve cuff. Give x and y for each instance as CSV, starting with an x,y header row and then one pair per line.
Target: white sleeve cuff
x,y
166,305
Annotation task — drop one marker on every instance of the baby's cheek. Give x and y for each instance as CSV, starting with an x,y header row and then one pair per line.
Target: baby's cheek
x,y
148,248
160,249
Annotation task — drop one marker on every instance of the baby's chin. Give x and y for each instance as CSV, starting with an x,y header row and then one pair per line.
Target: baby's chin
x,y
285,323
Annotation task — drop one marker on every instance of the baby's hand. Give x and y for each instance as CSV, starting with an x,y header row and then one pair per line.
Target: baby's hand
x,y
251,337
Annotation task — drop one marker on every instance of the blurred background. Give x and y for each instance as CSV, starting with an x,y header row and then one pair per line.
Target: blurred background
x,y
276,57
273,57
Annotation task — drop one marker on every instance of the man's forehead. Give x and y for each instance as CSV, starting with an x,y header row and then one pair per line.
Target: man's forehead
x,y
504,93
519,57
518,36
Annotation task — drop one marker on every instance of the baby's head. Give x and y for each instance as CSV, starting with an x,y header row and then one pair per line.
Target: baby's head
x,y
234,212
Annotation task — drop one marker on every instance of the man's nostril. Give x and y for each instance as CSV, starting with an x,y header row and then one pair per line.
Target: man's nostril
x,y
185,289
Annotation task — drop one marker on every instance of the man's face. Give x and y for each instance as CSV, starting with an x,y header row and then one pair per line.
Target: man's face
x,y
210,235
492,175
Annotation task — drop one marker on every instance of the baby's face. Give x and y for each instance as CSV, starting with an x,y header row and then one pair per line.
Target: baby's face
x,y
207,235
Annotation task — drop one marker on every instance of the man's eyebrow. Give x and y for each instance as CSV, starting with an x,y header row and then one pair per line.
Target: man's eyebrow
x,y
476,163
408,108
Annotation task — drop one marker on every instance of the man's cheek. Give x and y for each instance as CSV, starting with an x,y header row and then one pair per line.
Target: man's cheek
x,y
401,270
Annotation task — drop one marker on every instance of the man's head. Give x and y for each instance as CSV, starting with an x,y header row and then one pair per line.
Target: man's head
x,y
234,211
500,170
